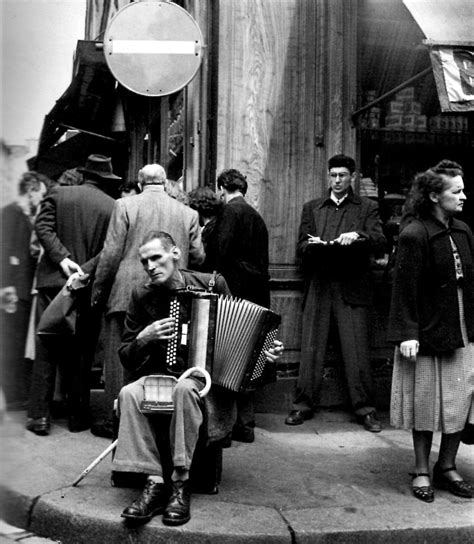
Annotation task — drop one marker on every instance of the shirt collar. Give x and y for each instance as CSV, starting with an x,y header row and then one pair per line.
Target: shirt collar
x,y
153,187
349,197
334,198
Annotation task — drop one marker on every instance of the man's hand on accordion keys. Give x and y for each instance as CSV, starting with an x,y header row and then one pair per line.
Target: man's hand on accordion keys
x,y
162,329
274,353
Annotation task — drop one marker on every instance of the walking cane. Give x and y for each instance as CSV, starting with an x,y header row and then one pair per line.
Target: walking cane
x,y
95,462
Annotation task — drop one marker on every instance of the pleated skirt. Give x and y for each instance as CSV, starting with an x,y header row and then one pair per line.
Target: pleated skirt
x,y
435,393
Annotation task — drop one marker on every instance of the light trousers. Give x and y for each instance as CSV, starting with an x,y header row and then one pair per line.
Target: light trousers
x,y
137,449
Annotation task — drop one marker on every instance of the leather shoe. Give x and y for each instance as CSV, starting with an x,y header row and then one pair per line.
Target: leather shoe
x,y
40,425
78,424
370,422
460,488
178,510
423,493
104,428
297,417
151,502
243,433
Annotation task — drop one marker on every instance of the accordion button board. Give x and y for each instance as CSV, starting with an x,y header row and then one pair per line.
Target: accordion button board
x,y
225,335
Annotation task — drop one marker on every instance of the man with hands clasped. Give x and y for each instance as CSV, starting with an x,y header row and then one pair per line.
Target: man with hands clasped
x,y
71,226
338,234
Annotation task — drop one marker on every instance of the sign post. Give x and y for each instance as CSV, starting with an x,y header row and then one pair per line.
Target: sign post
x,y
153,48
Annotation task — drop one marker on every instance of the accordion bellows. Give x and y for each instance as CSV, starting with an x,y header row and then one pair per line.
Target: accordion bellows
x,y
226,335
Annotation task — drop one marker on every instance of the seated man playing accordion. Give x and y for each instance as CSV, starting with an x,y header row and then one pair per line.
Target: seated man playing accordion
x,y
148,328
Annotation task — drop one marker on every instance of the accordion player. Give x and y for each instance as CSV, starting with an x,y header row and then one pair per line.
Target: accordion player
x,y
225,335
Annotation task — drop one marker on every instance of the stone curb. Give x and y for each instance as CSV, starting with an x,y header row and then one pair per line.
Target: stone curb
x,y
72,516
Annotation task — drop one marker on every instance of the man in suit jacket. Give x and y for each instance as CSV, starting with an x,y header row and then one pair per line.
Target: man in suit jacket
x,y
239,249
18,267
119,270
337,236
71,226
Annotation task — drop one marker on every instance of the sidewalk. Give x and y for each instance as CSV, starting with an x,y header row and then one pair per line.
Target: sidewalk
x,y
325,481
10,534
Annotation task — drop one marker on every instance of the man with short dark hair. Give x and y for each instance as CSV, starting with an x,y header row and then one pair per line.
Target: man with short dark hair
x,y
71,226
338,234
148,327
239,245
241,241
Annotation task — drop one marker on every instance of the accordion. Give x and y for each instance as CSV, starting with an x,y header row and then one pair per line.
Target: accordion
x,y
223,334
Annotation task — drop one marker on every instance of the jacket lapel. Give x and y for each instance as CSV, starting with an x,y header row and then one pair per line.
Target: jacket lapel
x,y
319,218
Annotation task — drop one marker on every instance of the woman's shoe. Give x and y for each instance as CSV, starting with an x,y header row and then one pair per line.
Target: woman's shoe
x,y
424,493
460,488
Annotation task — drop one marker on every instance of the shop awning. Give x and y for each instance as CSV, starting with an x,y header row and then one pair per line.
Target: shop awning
x,y
449,30
73,152
87,106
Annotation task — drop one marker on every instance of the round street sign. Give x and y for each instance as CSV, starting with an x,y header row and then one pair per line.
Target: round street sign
x,y
153,48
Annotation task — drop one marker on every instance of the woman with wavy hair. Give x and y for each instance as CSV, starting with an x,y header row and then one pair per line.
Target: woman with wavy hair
x,y
432,324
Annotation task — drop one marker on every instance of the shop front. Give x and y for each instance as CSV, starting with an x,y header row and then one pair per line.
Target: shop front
x,y
284,85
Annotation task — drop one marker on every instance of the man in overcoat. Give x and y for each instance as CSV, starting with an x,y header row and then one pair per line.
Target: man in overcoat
x,y
71,226
119,270
338,234
239,246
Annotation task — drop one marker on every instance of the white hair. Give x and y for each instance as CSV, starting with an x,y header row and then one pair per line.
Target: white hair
x,y
152,174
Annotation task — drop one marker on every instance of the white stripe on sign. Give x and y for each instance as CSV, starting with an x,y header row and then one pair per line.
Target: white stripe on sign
x,y
154,47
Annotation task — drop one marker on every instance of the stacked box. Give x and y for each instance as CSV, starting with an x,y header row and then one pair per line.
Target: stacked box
x,y
394,121
434,123
448,123
412,107
370,96
421,123
409,122
396,107
406,94
405,112
444,123
372,118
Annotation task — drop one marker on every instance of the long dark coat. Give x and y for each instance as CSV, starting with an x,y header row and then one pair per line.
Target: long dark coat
x,y
424,298
240,247
17,264
349,265
72,222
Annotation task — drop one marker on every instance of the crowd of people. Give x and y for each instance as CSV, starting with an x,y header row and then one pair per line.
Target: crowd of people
x,y
134,252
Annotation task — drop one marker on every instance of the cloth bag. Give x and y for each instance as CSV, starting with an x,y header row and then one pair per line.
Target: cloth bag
x,y
60,317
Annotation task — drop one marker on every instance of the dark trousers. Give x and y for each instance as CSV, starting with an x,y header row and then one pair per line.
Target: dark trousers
x,y
73,353
15,369
351,322
114,374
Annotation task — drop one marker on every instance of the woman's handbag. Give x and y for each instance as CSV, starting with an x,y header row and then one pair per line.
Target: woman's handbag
x,y
60,317
467,434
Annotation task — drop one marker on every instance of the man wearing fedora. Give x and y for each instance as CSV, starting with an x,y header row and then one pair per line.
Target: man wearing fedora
x,y
71,226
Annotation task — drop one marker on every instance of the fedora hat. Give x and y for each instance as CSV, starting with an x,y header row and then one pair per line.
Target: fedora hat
x,y
99,166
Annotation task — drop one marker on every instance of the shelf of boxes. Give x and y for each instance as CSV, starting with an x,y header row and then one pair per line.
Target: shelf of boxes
x,y
404,114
